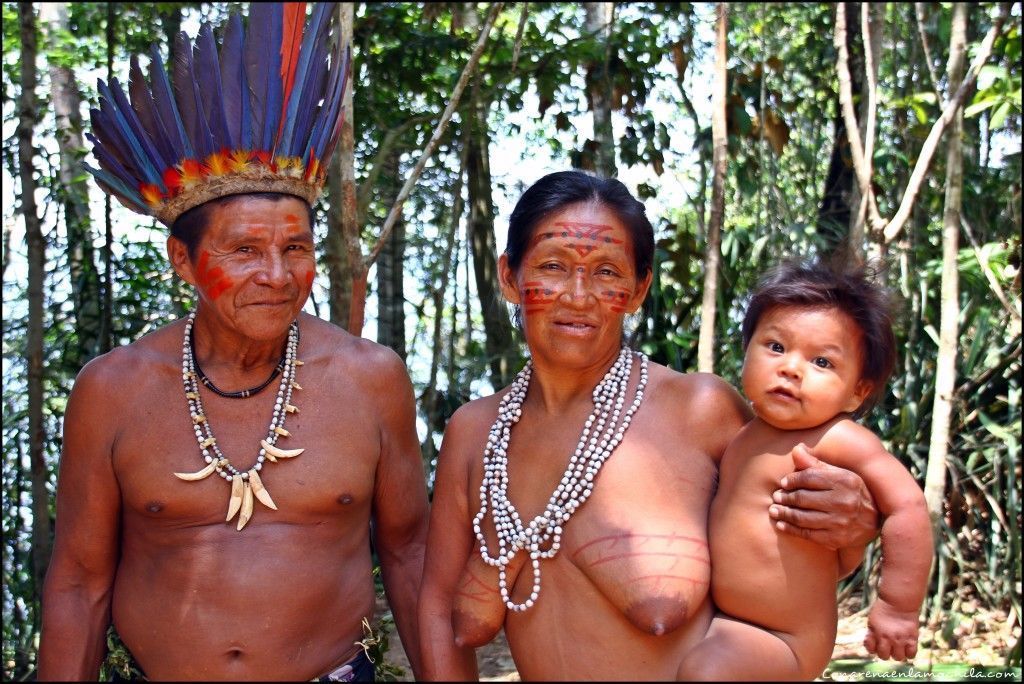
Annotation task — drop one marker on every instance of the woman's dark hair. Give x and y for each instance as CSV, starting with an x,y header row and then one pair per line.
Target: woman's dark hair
x,y
191,226
849,288
558,190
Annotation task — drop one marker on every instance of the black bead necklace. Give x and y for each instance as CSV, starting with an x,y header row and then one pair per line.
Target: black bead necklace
x,y
241,394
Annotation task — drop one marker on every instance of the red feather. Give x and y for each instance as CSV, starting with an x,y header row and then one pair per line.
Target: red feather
x,y
291,41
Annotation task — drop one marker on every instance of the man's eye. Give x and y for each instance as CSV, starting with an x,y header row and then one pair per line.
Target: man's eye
x,y
822,362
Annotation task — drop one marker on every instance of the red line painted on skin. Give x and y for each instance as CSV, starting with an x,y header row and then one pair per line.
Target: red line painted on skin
x,y
536,297
476,580
617,537
211,280
308,278
682,577
587,231
617,298
599,561
472,597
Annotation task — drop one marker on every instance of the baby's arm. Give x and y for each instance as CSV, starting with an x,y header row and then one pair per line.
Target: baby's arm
x,y
907,546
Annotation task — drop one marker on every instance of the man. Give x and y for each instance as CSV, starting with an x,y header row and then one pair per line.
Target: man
x,y
220,475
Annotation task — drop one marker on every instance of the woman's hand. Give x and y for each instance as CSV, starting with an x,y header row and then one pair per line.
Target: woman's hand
x,y
822,503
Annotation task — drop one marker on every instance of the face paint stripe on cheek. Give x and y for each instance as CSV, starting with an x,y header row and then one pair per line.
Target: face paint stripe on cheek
x,y
218,288
536,297
308,279
617,299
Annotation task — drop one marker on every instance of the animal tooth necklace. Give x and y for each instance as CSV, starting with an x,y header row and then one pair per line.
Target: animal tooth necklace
x,y
602,433
245,485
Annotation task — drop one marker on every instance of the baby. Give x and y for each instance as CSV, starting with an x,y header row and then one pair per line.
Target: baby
x,y
819,348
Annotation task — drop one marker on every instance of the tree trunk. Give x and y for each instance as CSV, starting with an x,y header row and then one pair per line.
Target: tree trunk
x,y
27,115
945,367
85,285
870,23
719,160
107,251
390,292
840,193
599,88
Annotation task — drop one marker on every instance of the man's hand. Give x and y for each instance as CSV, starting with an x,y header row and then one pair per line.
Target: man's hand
x,y
824,504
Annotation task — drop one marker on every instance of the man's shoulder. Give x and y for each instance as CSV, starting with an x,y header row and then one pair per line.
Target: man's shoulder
x,y
125,364
335,350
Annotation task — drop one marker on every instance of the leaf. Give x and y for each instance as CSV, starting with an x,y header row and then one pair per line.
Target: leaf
x,y
999,115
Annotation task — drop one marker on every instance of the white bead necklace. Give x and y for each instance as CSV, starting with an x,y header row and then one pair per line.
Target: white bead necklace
x,y
244,484
602,432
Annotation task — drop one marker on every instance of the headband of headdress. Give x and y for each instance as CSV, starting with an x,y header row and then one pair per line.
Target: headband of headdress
x,y
262,116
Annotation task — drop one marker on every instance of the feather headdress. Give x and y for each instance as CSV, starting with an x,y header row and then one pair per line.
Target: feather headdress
x,y
249,118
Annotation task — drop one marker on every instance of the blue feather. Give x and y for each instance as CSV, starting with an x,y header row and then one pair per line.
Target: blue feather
x,y
134,127
207,73
109,140
235,91
186,92
122,192
109,161
272,101
256,66
299,99
330,125
142,103
313,83
135,147
166,107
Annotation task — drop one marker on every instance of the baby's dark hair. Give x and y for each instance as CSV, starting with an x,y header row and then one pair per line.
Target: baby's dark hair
x,y
852,290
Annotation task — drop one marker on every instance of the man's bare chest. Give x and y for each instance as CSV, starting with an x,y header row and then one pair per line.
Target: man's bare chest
x,y
333,475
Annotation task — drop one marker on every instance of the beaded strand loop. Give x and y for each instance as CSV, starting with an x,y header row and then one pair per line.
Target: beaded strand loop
x,y
602,433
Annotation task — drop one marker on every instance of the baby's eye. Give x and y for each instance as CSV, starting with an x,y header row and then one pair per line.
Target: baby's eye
x,y
776,347
822,362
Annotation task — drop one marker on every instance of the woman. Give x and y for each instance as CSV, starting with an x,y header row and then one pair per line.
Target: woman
x,y
616,588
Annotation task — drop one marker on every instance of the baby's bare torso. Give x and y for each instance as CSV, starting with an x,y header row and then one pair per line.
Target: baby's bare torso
x,y
776,581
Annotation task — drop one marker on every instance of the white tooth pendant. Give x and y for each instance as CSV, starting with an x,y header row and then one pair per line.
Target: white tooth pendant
x,y
237,484
260,491
279,453
246,512
199,474
247,485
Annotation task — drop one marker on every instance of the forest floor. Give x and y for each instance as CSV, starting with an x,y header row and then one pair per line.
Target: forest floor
x,y
972,638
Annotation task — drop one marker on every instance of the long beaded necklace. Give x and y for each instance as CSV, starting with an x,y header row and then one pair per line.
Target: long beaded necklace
x,y
244,484
602,432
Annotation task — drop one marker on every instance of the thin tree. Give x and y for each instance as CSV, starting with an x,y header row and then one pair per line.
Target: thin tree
x,y
945,367
719,160
599,17
74,192
27,112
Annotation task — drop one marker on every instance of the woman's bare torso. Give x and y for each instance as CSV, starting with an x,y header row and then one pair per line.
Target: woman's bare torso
x,y
627,594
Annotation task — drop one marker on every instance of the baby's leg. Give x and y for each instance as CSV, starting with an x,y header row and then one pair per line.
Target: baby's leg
x,y
733,650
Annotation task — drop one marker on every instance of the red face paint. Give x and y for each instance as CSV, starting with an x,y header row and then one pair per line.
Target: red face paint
x,y
211,280
536,297
618,299
586,236
308,279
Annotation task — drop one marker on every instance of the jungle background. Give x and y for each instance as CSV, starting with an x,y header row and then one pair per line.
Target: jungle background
x,y
751,131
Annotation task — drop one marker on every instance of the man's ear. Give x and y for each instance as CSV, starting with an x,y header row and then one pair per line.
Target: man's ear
x,y
640,293
177,253
507,281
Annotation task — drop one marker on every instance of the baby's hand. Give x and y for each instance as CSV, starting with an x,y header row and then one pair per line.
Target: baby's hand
x,y
892,633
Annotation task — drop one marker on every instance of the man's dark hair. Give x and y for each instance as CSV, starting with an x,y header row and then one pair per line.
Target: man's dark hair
x,y
556,191
191,226
849,288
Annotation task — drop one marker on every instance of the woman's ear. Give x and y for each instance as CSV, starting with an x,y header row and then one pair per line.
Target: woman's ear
x,y
507,281
640,292
177,253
